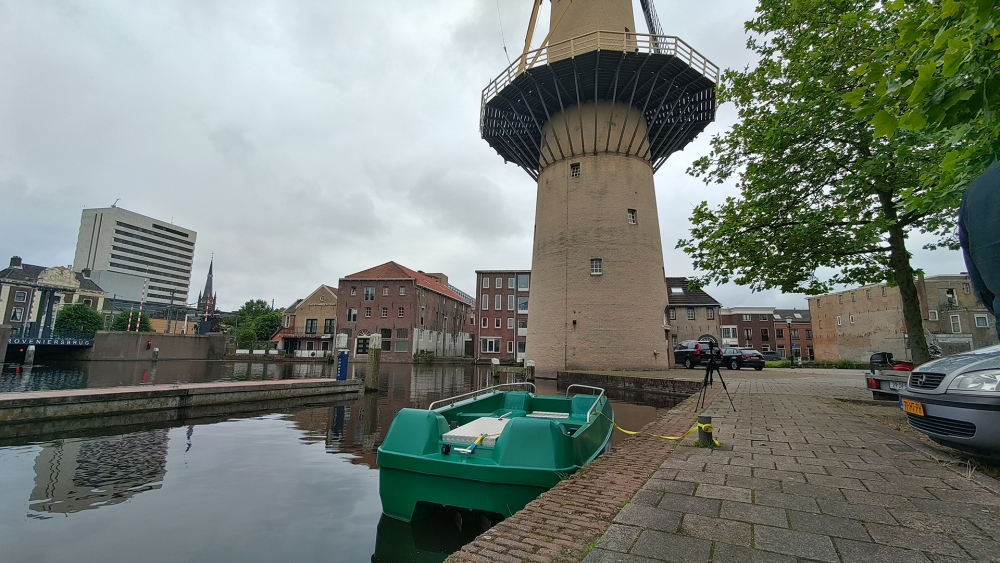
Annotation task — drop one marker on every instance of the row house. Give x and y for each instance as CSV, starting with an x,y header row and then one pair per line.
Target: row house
x,y
786,332
854,324
502,301
414,312
692,314
308,325
31,296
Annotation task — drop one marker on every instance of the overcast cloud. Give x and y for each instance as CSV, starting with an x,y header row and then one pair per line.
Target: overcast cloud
x,y
302,140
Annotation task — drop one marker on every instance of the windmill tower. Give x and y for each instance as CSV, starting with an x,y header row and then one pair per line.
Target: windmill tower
x,y
591,115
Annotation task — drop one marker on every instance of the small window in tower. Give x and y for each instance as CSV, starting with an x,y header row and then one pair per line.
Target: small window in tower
x,y
574,170
631,217
596,267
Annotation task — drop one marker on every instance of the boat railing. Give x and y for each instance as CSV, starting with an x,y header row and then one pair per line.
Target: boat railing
x,y
483,391
593,407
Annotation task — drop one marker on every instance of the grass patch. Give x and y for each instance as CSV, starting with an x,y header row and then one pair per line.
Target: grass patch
x,y
778,364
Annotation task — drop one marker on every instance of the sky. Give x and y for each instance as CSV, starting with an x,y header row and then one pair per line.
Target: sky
x,y
304,140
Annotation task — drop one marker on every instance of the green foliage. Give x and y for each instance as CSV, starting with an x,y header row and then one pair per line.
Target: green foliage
x,y
246,337
266,325
819,192
253,309
423,357
121,321
937,72
778,364
78,318
254,322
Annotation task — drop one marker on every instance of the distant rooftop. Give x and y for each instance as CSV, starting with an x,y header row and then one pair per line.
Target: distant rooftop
x,y
678,294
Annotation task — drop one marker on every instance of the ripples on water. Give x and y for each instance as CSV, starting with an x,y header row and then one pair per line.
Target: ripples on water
x,y
297,485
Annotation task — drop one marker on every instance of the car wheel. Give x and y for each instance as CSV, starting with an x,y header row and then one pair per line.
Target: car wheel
x,y
734,365
760,368
687,363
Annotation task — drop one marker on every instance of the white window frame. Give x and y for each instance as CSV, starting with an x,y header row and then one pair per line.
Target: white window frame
x,y
854,297
932,315
710,313
486,322
497,323
596,267
747,318
632,217
510,323
523,311
486,282
748,334
966,288
402,312
385,312
385,291
369,294
511,282
17,315
574,170
489,345
498,302
402,290
691,313
354,290
499,284
368,312
840,322
885,291
819,303
20,296
352,315
510,302
956,320
527,279
672,315
985,319
851,318
486,302
510,346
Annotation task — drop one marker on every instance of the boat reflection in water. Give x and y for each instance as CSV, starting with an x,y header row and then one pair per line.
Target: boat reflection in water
x,y
427,540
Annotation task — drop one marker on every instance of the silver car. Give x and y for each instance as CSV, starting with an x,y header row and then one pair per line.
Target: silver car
x,y
955,401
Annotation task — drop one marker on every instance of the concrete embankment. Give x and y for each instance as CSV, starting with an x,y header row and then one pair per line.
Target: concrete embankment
x,y
81,407
637,381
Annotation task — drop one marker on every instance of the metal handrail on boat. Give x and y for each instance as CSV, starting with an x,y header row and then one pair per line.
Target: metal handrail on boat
x,y
593,407
476,393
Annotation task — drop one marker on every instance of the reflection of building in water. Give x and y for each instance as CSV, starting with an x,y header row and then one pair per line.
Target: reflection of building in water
x,y
75,475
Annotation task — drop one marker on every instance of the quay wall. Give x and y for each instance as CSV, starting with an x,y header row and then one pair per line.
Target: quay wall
x,y
80,403
609,381
132,346
4,337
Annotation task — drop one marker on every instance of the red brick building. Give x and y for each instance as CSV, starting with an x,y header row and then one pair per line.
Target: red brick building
x,y
502,320
413,312
784,331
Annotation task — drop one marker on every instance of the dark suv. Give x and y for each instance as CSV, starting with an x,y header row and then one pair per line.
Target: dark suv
x,y
691,353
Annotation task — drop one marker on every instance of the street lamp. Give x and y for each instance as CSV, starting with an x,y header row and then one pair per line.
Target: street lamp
x,y
791,353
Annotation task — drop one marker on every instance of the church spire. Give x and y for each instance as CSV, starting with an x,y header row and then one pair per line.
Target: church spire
x,y
208,281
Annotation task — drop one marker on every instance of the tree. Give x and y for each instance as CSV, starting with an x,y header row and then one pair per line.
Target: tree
x,y
254,322
78,318
938,74
253,309
818,190
266,325
121,321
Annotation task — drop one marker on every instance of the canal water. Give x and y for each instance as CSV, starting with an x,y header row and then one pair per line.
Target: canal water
x,y
294,485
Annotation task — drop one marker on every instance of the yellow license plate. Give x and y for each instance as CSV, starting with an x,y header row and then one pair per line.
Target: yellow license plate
x,y
912,407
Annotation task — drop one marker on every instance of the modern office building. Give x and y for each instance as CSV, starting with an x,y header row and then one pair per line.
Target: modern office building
x,y
121,250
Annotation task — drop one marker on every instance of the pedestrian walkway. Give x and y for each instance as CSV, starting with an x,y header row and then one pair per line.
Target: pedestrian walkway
x,y
805,478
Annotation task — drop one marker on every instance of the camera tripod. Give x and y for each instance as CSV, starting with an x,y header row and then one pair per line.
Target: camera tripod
x,y
712,366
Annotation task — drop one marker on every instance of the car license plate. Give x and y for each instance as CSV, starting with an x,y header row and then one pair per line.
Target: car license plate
x,y
897,385
912,407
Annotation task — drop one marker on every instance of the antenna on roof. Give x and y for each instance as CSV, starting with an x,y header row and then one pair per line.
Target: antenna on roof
x,y
115,204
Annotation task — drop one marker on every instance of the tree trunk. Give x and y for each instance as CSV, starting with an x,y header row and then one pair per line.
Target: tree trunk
x,y
899,261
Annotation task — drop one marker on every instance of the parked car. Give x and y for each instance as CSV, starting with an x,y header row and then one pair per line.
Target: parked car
x,y
691,353
955,401
736,358
887,376
771,356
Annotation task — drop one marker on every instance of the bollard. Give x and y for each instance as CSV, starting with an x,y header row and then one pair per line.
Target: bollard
x,y
494,371
705,438
156,354
529,371
374,362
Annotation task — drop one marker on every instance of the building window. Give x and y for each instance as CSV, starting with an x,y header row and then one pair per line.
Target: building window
x,y
841,298
354,290
385,312
88,302
311,326
728,332
764,318
966,288
851,318
574,170
673,314
885,292
596,267
368,312
510,302
510,282
690,313
809,334
496,323
765,348
401,314
811,354
839,321
748,334
490,345
982,321
956,324
498,302
854,297
486,302
362,345
17,314
486,322
522,282
522,305
510,346
20,296
385,290
352,315
710,313
781,350
369,294
402,333
486,282
402,290
795,334
779,333
932,315
868,293
520,347
746,318
819,303
950,294
632,217
310,345
287,320
328,326
765,335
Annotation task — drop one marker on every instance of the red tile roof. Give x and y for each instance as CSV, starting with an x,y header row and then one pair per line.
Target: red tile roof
x,y
394,271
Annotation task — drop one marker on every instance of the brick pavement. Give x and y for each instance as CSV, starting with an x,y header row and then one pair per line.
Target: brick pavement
x,y
807,479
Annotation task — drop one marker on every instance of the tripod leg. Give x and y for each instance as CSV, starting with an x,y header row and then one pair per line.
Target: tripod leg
x,y
724,388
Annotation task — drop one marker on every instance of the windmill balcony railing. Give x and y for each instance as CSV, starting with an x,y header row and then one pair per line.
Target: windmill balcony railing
x,y
603,41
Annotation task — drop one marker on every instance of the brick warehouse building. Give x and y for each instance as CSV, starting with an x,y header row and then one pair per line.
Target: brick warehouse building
x,y
413,311
502,303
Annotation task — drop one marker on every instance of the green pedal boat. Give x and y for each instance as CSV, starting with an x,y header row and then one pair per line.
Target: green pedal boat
x,y
492,450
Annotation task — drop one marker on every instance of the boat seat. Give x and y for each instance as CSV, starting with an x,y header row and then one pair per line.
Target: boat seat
x,y
547,414
469,433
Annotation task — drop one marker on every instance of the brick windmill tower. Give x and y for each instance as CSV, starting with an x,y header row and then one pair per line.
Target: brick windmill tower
x,y
591,115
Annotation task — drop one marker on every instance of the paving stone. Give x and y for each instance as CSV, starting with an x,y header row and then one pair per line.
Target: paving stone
x,y
694,505
665,474
784,500
937,523
876,499
836,482
972,497
791,542
726,553
649,517
679,487
834,526
887,487
793,465
864,552
619,538
754,514
604,556
728,469
855,511
984,550
724,493
647,497
899,536
816,491
716,529
753,483
784,476
671,547
938,558
700,477
960,509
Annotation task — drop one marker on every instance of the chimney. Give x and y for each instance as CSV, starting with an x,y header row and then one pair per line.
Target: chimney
x,y
15,262
86,273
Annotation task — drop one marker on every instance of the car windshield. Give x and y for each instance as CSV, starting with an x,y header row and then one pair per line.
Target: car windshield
x,y
750,351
